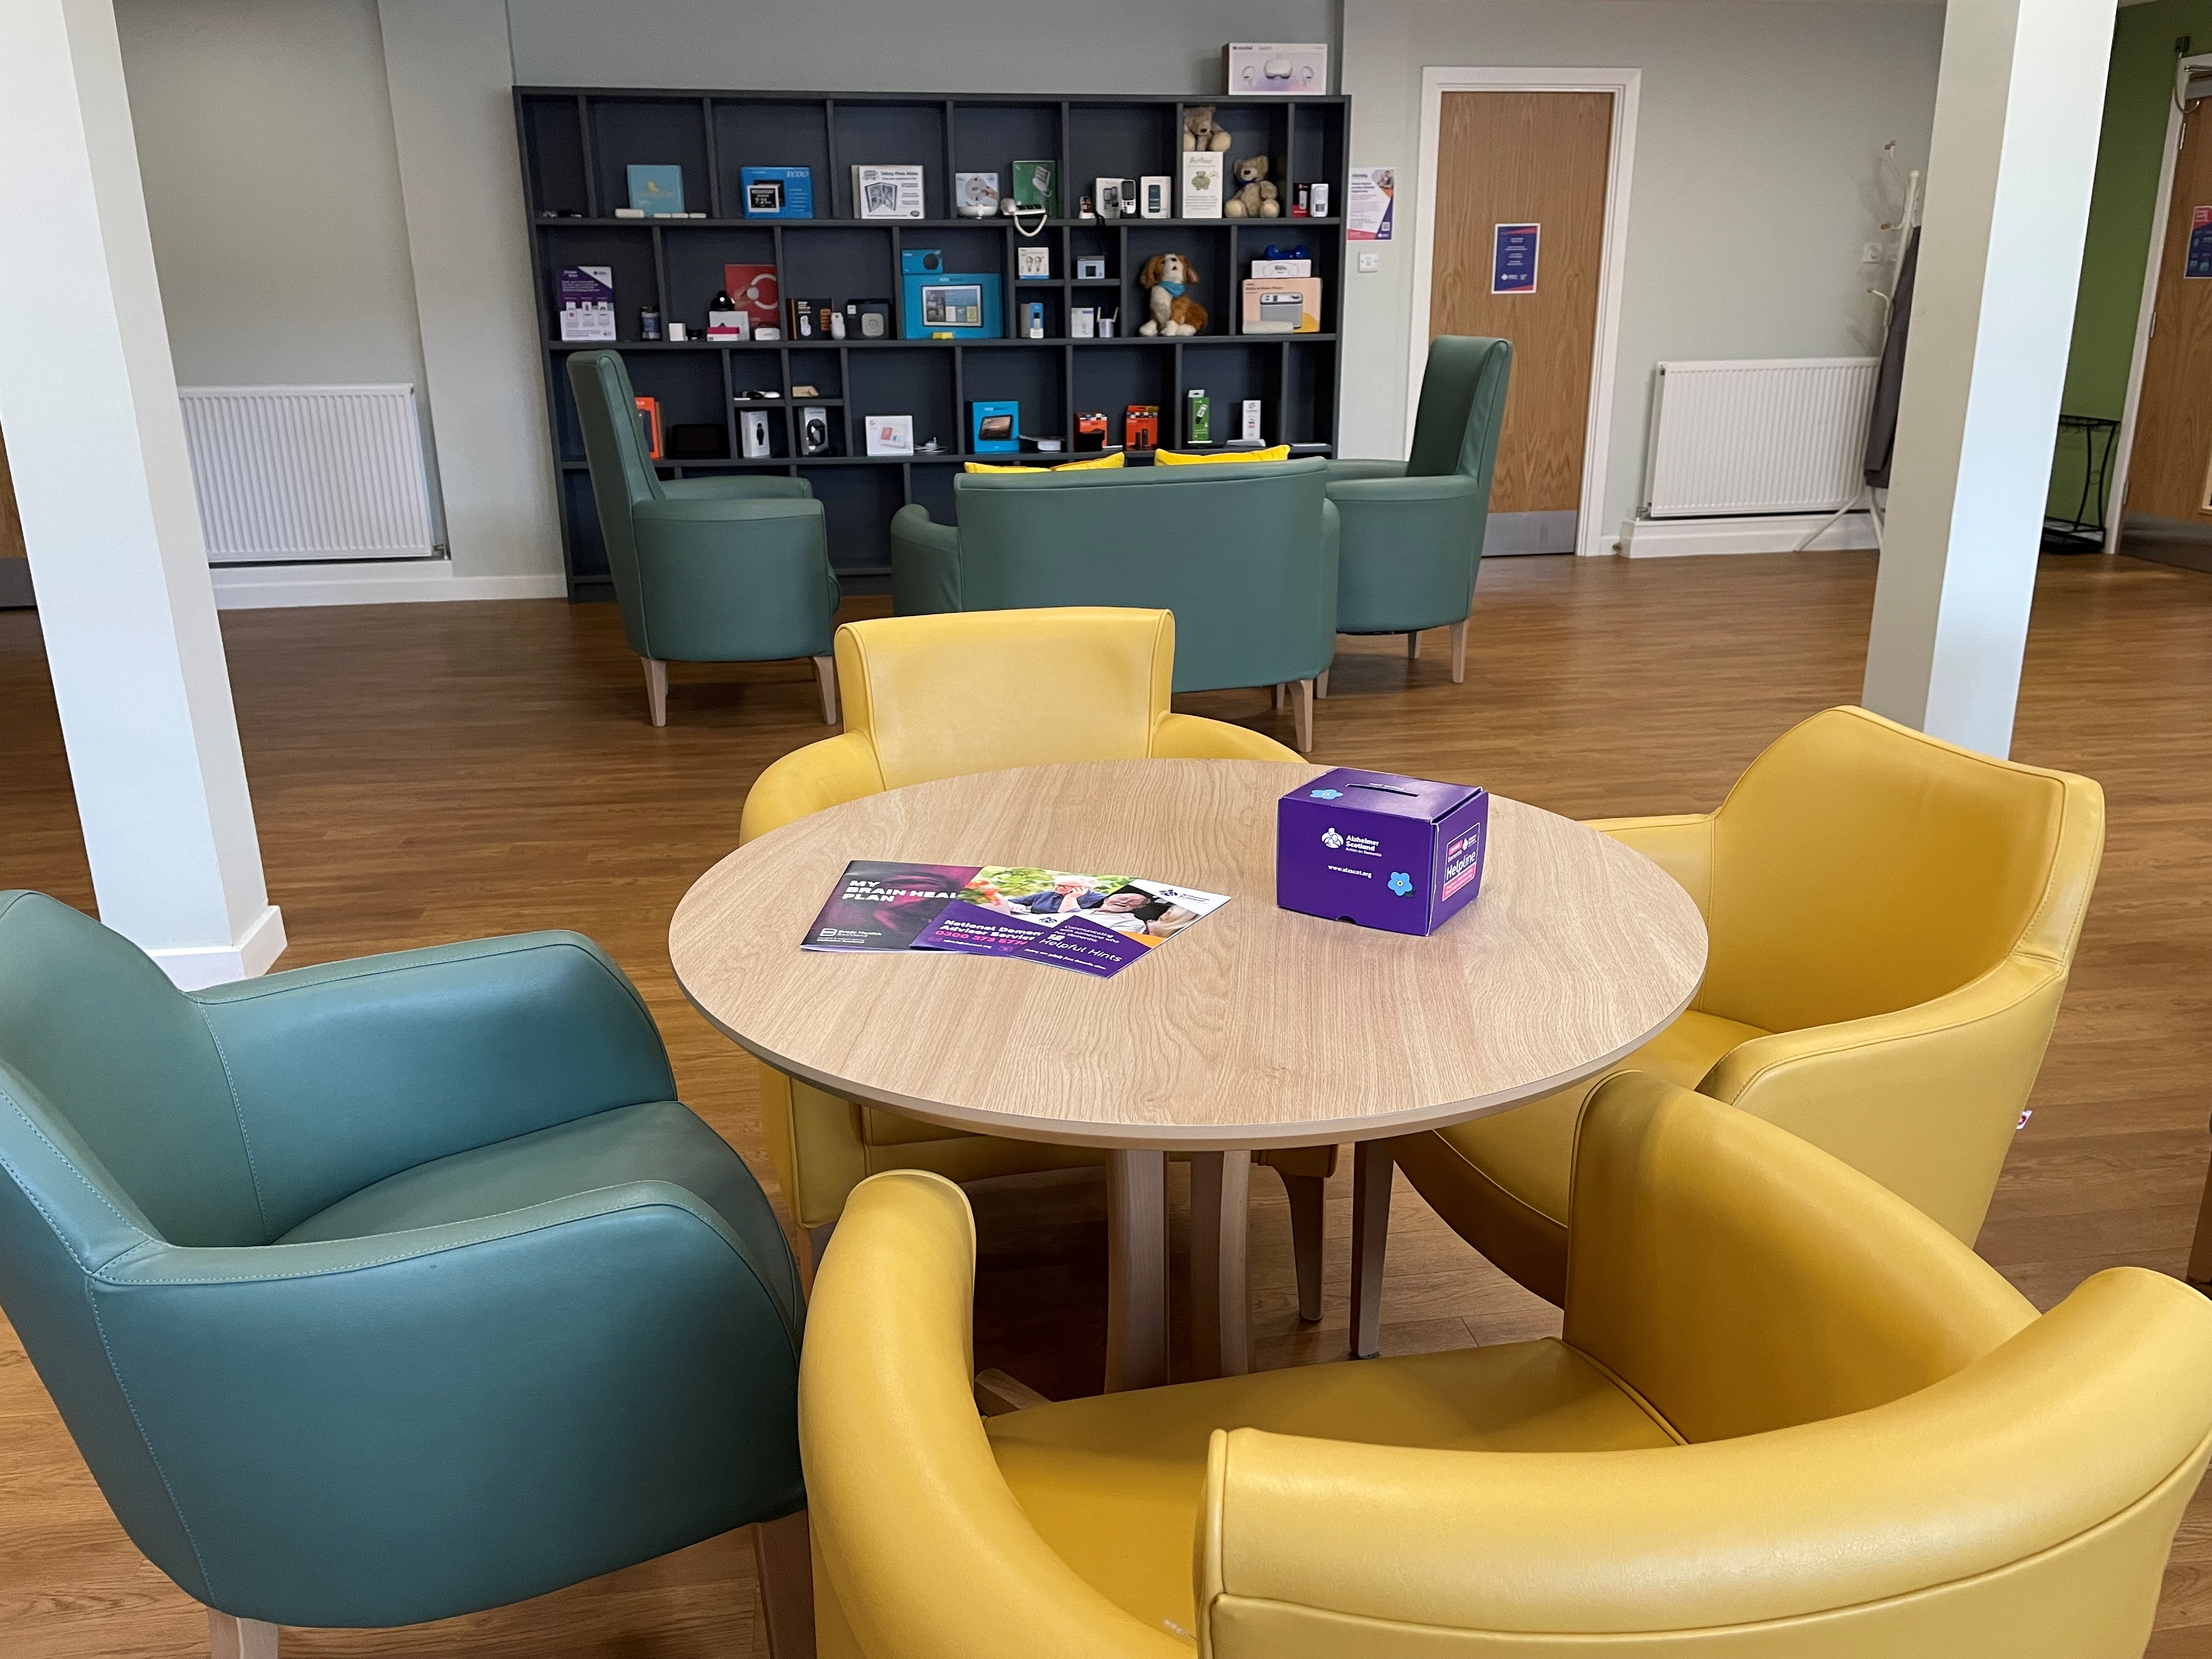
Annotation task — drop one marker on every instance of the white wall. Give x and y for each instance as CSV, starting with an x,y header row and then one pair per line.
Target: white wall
x,y
877,45
272,185
1755,184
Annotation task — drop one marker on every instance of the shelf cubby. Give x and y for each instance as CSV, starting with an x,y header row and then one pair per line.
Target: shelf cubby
x,y
577,143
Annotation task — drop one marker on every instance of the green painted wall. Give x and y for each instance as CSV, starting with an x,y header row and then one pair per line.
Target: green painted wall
x,y
2137,96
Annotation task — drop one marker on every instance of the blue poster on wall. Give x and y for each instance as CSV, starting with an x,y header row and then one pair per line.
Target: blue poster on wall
x,y
2200,243
1513,259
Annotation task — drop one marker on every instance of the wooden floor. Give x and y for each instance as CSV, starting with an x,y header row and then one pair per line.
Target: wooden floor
x,y
434,772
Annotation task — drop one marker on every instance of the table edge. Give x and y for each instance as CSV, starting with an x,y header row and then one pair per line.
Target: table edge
x,y
1121,1137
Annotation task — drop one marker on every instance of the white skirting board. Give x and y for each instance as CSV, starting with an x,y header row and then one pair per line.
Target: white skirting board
x,y
267,587
194,968
1680,538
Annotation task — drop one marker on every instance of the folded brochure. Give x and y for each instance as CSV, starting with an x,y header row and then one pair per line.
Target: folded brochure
x,y
1093,924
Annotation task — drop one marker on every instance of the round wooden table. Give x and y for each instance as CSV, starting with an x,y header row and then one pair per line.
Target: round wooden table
x,y
1255,1027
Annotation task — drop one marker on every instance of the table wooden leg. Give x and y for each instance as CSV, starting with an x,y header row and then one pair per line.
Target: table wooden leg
x,y
1136,1270
1371,1231
1220,1263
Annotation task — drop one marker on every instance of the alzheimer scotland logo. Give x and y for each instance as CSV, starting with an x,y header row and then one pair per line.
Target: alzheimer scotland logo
x,y
1330,839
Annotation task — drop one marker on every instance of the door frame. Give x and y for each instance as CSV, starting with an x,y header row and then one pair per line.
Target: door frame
x,y
1624,85
2186,70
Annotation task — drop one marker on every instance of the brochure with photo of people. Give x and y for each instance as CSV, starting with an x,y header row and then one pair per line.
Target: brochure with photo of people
x,y
1095,925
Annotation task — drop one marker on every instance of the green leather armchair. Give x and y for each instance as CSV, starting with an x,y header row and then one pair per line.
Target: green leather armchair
x,y
389,1289
1413,529
1244,555
715,570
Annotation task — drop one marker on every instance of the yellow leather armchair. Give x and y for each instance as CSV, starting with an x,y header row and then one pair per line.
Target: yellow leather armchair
x,y
938,696
1790,1417
1892,922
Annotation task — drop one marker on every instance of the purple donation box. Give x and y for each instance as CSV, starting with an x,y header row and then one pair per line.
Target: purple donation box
x,y
1401,853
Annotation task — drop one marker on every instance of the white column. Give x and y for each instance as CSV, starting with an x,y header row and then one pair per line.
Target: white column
x,y
88,398
2018,106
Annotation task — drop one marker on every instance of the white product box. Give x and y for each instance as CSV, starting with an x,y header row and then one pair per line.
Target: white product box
x,y
1202,183
1248,428
1267,270
886,192
1272,70
890,434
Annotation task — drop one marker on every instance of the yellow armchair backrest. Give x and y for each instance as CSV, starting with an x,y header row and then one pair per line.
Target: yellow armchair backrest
x,y
1860,867
974,691
1741,1279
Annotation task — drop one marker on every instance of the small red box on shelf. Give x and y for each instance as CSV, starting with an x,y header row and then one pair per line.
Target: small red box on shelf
x,y
1140,427
650,408
1090,431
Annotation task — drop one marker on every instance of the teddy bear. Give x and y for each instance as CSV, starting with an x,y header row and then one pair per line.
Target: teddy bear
x,y
1169,277
1198,131
1257,199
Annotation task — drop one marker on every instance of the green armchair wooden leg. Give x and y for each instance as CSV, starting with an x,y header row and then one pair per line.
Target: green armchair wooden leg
x,y
240,1638
656,690
1459,652
1413,646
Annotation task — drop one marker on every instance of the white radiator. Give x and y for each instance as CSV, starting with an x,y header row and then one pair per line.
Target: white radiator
x,y
1782,435
299,472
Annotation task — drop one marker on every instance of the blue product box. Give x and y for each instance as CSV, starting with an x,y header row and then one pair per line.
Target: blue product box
x,y
994,429
1404,854
777,192
966,305
656,191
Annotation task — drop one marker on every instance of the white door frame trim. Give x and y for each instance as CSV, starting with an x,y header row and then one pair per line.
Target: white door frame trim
x,y
2116,502
1623,84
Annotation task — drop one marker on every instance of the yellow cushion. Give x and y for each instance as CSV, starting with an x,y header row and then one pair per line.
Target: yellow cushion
x,y
1179,458
1501,1182
1112,1483
1096,464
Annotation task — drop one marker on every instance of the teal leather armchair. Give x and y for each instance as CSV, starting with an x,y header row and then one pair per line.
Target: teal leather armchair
x,y
389,1289
1244,555
1413,530
722,569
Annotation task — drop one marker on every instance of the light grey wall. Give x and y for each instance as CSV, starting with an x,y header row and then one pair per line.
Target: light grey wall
x,y
272,186
877,45
1755,184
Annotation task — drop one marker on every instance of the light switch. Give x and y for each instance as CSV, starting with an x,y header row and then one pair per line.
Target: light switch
x,y
1370,259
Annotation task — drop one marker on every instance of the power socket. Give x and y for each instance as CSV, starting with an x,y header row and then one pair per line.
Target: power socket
x,y
1870,254
1369,260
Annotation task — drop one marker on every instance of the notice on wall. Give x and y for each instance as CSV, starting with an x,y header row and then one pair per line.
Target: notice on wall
x,y
1370,198
1513,259
2200,243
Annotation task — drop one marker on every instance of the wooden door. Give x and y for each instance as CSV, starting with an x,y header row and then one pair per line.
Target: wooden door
x,y
1526,158
2170,473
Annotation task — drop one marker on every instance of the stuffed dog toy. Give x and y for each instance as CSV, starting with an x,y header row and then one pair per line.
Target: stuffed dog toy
x,y
1169,277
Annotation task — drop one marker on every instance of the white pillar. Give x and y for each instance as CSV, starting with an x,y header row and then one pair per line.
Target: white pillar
x,y
96,443
2018,106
